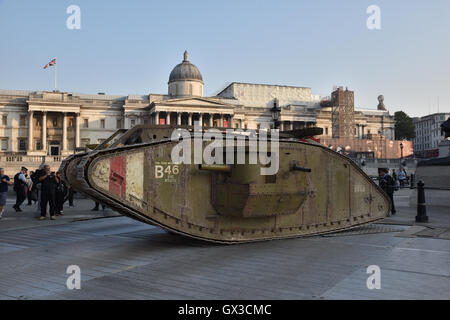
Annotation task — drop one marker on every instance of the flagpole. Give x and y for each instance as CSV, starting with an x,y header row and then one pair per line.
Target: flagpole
x,y
56,69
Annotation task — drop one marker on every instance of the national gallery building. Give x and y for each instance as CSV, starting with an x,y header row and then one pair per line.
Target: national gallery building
x,y
40,123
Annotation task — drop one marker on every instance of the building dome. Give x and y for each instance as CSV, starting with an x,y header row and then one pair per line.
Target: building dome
x,y
185,71
185,80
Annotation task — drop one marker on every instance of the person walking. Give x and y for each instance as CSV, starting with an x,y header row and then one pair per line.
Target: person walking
x,y
4,183
29,188
402,177
20,183
97,204
387,183
48,182
37,184
60,193
69,196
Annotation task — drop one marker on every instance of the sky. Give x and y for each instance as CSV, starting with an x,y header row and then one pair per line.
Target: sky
x,y
130,47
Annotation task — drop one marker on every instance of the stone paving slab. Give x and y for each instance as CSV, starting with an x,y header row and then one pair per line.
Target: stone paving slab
x,y
124,259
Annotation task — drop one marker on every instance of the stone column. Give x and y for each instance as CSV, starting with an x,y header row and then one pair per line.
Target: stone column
x,y
190,119
167,118
30,131
211,116
179,118
231,121
221,121
157,117
44,132
77,130
64,133
200,119
282,126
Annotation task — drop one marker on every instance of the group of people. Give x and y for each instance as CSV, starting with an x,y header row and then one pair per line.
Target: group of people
x,y
42,186
389,183
401,177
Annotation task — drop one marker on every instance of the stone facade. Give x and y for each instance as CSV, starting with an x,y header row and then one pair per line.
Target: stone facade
x,y
41,123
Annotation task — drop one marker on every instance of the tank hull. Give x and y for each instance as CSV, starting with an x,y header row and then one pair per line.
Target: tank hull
x,y
233,205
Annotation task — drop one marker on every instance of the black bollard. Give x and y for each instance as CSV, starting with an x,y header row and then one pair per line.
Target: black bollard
x,y
421,206
411,181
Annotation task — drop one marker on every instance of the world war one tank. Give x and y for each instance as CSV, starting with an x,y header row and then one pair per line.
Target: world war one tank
x,y
315,190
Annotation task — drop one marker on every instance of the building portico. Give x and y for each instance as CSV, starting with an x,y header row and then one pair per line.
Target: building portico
x,y
209,112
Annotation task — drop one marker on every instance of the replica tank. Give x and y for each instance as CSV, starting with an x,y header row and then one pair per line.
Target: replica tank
x,y
315,190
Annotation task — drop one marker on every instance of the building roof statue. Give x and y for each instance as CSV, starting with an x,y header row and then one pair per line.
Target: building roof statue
x,y
381,105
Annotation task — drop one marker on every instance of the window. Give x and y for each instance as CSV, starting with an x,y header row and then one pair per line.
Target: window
x,y
133,123
326,131
23,121
55,122
5,144
4,120
38,145
119,124
22,144
86,123
102,123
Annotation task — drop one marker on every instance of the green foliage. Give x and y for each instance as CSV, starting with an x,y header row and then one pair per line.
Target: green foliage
x,y
404,126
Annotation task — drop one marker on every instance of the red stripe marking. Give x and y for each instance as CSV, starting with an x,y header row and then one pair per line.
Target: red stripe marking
x,y
118,176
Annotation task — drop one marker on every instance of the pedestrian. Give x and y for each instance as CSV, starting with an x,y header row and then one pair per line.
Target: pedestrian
x,y
402,177
20,184
97,205
387,183
49,182
69,196
4,182
29,188
394,175
60,193
37,174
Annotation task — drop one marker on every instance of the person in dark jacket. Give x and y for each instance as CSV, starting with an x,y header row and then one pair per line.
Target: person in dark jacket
x,y
387,183
4,183
60,193
20,185
48,181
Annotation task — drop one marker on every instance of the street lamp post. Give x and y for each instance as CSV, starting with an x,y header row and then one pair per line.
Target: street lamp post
x,y
401,152
276,115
